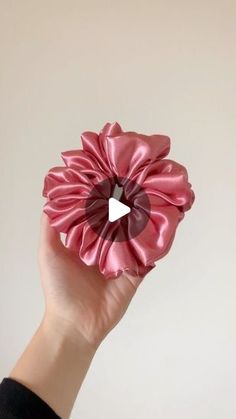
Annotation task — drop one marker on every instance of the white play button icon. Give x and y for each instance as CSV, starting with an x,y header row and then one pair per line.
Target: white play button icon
x,y
116,209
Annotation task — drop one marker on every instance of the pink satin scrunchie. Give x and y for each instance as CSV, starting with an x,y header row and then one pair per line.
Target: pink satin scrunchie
x,y
115,154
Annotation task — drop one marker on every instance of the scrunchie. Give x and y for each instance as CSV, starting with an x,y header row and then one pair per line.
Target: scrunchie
x,y
155,188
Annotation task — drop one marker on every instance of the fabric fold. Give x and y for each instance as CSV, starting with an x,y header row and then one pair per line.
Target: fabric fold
x,y
156,188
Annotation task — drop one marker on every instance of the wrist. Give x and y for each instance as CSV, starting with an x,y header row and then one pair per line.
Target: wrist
x,y
64,331
55,363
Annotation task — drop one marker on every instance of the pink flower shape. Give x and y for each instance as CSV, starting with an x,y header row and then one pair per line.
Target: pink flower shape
x,y
157,190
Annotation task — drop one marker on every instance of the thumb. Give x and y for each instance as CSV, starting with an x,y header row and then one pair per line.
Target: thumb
x,y
50,239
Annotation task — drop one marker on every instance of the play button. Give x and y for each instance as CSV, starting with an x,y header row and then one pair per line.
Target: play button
x,y
116,210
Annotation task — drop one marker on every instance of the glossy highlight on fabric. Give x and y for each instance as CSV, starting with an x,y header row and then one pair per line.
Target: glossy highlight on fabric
x,y
156,188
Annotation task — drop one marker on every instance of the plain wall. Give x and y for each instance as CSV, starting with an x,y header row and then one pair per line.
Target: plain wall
x,y
155,67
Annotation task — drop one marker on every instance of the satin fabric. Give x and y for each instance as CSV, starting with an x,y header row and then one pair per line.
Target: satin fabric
x,y
141,158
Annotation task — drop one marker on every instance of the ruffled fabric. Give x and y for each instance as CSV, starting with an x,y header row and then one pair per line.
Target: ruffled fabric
x,y
134,159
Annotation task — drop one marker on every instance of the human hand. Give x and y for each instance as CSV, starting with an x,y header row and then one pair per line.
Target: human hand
x,y
81,308
78,295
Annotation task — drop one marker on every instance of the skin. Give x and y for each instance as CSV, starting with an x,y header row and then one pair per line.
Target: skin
x,y
81,308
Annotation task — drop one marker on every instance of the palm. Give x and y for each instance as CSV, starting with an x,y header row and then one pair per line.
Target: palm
x,y
78,293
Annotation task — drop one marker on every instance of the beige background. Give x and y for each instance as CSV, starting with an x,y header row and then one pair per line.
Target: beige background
x,y
153,66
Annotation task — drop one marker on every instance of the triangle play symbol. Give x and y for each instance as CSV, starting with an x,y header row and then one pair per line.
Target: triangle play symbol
x,y
116,209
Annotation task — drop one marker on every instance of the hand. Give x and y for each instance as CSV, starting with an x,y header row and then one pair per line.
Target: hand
x,y
79,295
81,308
